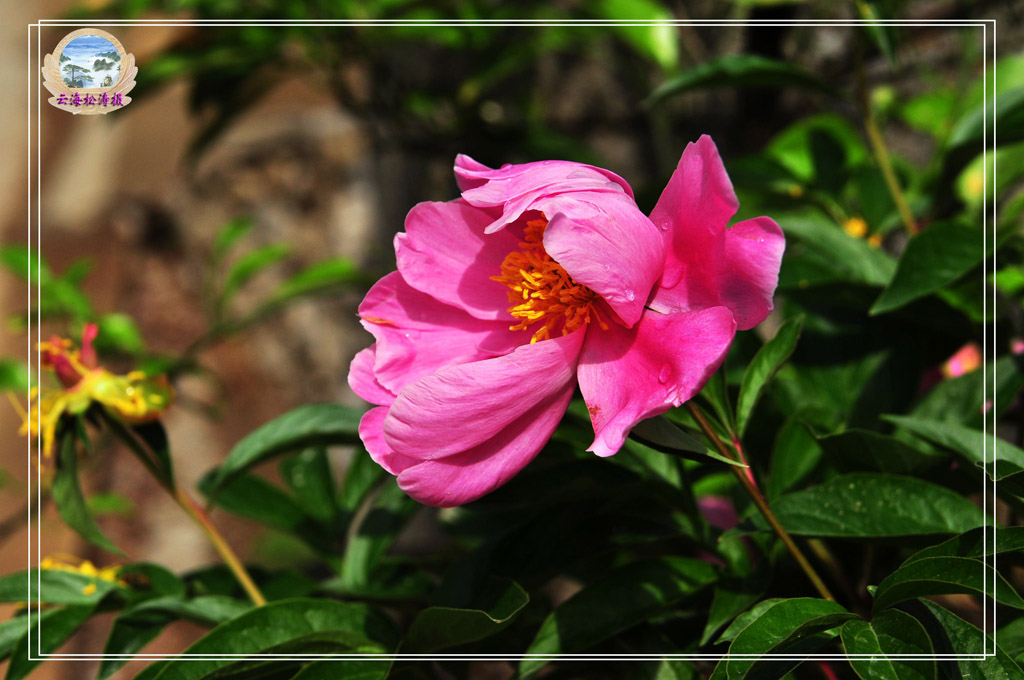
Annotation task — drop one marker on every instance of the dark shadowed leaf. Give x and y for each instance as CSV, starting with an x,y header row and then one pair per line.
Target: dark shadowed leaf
x,y
951,635
53,631
311,480
305,426
876,505
442,627
784,626
861,449
620,600
740,70
998,457
887,635
933,259
976,543
279,623
944,576
763,366
660,434
67,495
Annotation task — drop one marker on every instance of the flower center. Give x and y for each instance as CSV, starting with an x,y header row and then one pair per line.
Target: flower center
x,y
542,292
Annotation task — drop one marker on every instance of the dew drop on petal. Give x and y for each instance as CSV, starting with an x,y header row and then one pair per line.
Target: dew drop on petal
x,y
664,374
630,295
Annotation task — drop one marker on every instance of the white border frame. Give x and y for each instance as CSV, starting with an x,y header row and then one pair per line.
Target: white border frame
x,y
987,342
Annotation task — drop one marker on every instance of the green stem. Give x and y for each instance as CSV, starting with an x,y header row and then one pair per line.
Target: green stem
x,y
746,480
881,152
191,508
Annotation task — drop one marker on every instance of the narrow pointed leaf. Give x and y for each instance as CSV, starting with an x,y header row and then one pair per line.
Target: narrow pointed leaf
x,y
764,365
998,457
67,495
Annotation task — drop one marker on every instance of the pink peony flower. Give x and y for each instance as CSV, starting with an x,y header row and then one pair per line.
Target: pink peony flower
x,y
541,277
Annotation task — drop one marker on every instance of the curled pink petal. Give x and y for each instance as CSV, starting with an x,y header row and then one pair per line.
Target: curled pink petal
x,y
462,406
743,277
608,245
627,375
445,254
707,265
516,188
371,431
418,335
465,477
364,383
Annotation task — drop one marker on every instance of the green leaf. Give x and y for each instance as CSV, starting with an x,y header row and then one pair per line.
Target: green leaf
x,y
794,456
621,599
746,618
882,35
851,258
763,366
660,434
857,448
388,512
305,426
361,476
657,41
248,266
732,598
334,669
442,627
1003,458
257,499
67,495
311,479
976,543
55,586
943,576
889,634
932,259
952,635
229,235
868,505
53,631
740,70
317,277
781,627
326,643
111,503
970,131
119,333
14,376
23,262
278,623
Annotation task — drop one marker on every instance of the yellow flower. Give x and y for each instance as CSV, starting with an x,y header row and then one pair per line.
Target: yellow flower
x,y
855,227
85,568
132,398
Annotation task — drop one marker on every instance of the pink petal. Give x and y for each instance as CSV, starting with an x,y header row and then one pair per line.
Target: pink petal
x,y
465,477
515,188
694,208
417,335
461,407
371,431
364,383
707,265
627,375
445,253
742,277
605,243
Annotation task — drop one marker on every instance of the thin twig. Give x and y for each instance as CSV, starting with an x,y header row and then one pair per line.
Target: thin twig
x,y
760,502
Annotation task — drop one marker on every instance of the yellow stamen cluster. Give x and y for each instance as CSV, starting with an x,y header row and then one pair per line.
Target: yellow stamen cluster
x,y
543,292
85,568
